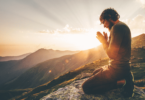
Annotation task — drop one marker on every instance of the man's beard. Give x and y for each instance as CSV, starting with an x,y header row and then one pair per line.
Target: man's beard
x,y
110,25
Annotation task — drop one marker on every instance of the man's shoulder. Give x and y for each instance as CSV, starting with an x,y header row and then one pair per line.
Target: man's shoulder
x,y
120,26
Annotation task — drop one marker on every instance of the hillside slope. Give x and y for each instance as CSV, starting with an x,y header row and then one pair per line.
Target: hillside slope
x,y
7,71
138,41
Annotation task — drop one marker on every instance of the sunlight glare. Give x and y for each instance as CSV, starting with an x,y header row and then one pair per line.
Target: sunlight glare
x,y
82,41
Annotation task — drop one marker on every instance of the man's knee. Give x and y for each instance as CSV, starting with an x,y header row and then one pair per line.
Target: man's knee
x,y
86,88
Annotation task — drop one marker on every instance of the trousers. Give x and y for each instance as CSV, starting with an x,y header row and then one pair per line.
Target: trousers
x,y
105,79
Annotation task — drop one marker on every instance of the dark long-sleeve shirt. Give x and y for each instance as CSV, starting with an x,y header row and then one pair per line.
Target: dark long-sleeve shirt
x,y
119,46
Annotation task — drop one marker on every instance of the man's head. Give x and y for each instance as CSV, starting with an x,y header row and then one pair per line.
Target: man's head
x,y
108,17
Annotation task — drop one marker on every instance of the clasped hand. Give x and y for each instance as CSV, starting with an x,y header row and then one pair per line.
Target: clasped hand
x,y
102,37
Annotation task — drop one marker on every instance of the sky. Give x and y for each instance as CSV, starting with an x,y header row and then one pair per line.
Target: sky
x,y
28,25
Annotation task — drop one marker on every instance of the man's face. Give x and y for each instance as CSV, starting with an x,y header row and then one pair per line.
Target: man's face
x,y
107,24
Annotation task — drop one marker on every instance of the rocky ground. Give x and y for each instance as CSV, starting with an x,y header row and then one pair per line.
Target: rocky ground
x,y
74,91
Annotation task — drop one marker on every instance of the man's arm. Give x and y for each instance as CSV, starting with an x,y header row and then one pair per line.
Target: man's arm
x,y
113,47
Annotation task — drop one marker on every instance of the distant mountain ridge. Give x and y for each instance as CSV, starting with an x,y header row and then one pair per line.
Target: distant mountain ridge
x,y
9,70
8,58
42,55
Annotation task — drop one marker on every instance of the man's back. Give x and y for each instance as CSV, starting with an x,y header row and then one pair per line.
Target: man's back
x,y
120,39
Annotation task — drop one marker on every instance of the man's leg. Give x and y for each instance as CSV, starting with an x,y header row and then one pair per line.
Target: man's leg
x,y
99,83
97,70
129,86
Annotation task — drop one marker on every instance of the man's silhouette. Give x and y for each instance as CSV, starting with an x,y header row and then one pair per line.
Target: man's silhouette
x,y
118,49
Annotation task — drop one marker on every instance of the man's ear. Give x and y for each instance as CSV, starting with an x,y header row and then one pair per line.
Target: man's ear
x,y
111,20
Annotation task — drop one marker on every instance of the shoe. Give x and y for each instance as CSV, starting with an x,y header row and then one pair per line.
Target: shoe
x,y
129,86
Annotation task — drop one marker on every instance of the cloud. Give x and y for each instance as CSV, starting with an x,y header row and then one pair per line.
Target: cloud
x,y
67,30
142,2
137,24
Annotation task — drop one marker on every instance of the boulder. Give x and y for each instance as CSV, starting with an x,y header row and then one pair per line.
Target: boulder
x,y
74,91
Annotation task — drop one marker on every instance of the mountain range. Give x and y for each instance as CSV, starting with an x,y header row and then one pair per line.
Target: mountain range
x,y
50,69
10,70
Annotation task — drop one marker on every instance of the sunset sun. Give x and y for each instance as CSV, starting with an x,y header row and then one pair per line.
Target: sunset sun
x,y
81,41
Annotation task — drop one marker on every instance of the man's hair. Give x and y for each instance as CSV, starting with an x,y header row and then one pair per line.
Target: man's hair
x,y
109,13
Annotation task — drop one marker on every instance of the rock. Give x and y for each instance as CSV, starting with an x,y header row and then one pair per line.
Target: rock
x,y
84,75
74,91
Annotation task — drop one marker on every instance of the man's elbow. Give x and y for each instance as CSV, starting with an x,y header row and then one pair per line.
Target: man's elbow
x,y
111,55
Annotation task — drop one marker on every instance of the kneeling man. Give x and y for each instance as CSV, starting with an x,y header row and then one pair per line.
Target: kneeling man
x,y
118,49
